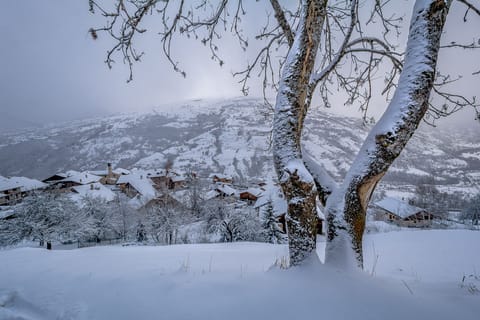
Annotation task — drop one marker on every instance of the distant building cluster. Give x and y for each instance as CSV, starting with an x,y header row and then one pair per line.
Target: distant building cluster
x,y
144,188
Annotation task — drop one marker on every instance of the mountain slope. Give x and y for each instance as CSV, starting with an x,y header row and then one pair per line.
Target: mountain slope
x,y
232,137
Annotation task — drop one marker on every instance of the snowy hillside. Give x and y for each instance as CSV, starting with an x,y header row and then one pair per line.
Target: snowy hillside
x,y
231,137
410,275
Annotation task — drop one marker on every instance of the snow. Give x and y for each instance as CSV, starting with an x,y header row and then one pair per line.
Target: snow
x,y
153,160
139,180
257,192
25,184
475,155
407,277
272,193
121,171
297,167
417,172
80,177
220,176
6,213
225,189
94,190
435,256
211,194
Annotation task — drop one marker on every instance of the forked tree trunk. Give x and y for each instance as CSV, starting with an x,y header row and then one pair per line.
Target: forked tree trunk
x,y
296,182
346,207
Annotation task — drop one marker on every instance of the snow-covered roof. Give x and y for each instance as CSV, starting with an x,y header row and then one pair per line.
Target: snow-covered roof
x,y
180,195
121,171
25,184
155,173
80,177
6,213
211,194
398,207
7,185
60,175
144,186
28,184
257,192
223,188
177,178
220,176
94,190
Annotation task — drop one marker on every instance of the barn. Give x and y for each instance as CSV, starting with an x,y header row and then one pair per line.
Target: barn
x,y
403,214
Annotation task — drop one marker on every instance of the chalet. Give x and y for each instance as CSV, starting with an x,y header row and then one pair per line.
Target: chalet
x,y
14,189
158,177
134,184
73,178
251,195
93,190
164,179
138,187
3,199
10,193
109,176
211,195
401,213
224,190
217,177
177,182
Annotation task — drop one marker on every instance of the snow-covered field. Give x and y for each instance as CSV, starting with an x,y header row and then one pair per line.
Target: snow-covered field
x,y
409,275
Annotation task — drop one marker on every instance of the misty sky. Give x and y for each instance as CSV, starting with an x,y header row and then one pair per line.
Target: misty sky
x,y
53,71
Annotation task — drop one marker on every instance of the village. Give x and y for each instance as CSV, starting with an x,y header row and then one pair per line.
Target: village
x,y
147,189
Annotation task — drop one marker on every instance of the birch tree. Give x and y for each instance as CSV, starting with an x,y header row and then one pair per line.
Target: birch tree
x,y
310,51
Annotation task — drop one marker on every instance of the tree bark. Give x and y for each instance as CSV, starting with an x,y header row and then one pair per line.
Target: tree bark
x,y
296,182
346,207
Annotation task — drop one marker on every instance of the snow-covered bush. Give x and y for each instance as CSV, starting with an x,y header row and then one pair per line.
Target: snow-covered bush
x,y
43,217
231,225
471,212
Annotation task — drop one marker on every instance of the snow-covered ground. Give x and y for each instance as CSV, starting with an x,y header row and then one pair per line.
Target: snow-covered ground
x,y
409,275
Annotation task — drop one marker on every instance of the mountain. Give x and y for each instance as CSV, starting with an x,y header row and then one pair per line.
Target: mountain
x,y
232,137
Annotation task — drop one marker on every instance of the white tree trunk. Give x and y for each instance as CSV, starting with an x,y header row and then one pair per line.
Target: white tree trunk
x,y
346,206
297,183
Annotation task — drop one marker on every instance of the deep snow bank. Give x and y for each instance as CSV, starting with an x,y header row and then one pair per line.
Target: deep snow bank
x,y
233,281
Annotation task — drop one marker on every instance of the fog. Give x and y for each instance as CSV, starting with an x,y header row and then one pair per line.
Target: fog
x,y
53,71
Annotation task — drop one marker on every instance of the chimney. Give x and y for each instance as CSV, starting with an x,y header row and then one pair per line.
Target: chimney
x,y
109,169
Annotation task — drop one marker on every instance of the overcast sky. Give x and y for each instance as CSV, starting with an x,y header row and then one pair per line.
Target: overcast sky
x,y
51,69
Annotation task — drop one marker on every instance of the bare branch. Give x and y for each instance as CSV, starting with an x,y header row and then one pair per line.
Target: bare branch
x,y
282,21
319,76
472,45
469,7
